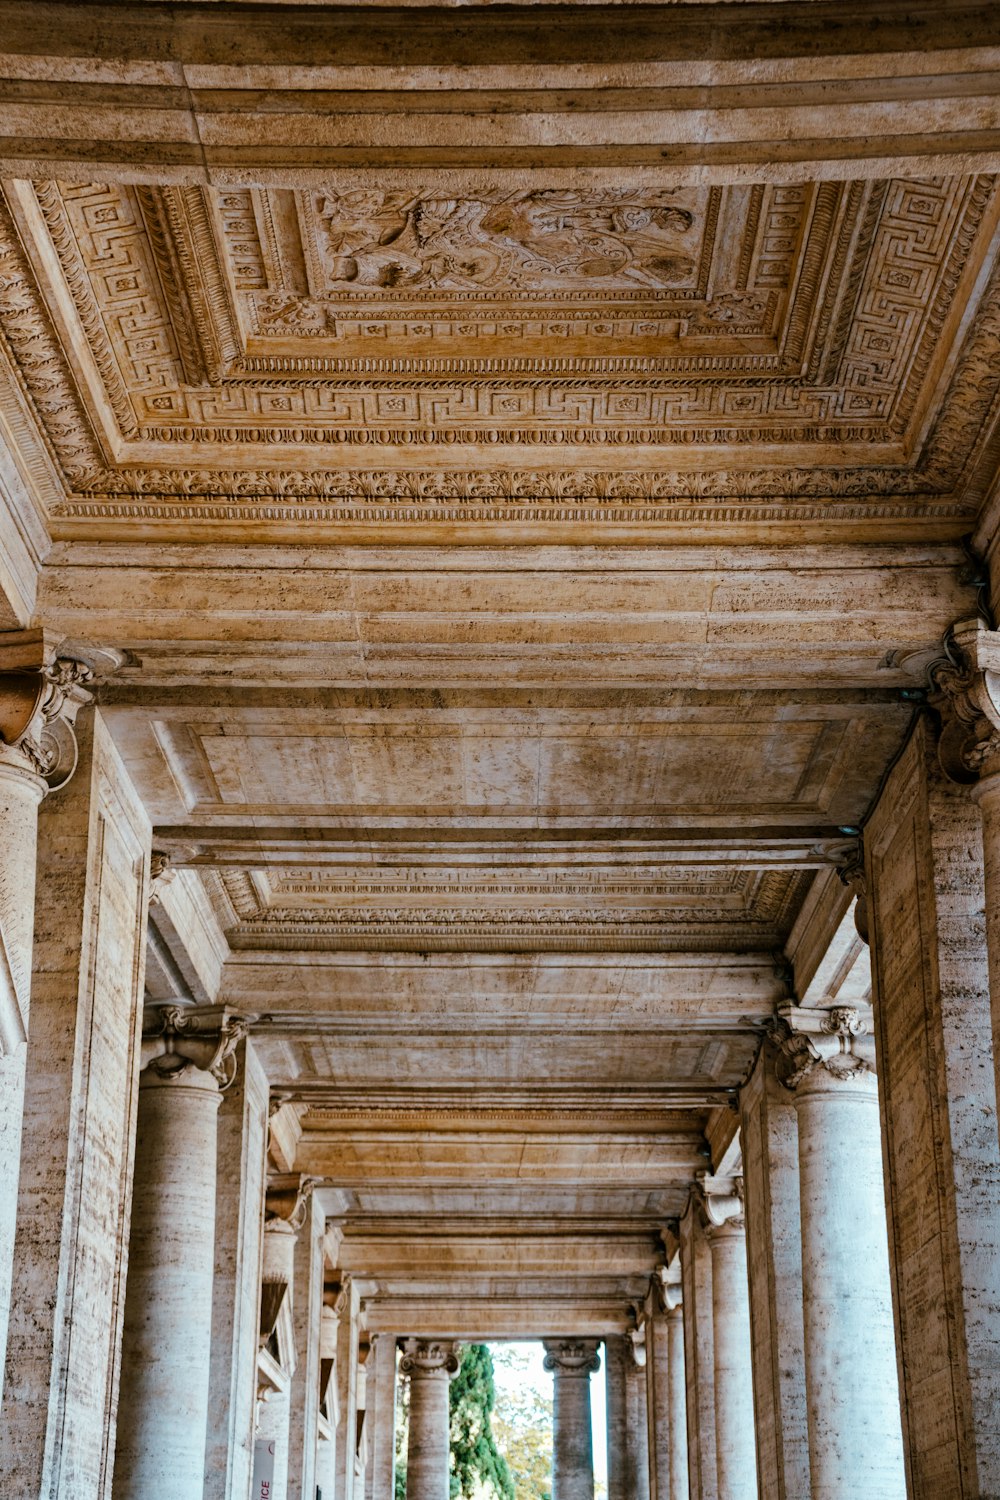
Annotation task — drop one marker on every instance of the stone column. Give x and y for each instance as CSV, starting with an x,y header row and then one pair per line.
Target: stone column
x,y
166,1347
926,904
735,1448
769,1136
666,1397
430,1366
637,1423
344,1295
239,1212
678,1403
571,1363
699,1352
379,1479
57,1428
855,1438
39,699
615,1355
307,1303
277,1293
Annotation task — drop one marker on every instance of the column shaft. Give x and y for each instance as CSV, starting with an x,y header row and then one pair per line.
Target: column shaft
x,y
347,1394
430,1367
303,1391
637,1467
736,1455
658,1401
242,1142
699,1354
855,1438
379,1479
615,1355
572,1438
678,1405
163,1426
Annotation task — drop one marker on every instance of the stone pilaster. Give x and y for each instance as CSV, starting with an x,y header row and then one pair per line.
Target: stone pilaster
x,y
637,1422
665,1393
430,1366
57,1428
39,699
855,1439
770,1142
348,1305
188,1055
699,1352
572,1362
304,1390
277,1294
239,1203
616,1404
380,1474
926,903
735,1450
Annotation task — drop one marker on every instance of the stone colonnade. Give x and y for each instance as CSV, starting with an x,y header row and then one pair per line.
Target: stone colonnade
x,y
863,1217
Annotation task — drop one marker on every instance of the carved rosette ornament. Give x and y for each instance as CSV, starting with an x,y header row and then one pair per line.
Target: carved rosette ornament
x,y
177,1038
572,1356
831,1045
430,1357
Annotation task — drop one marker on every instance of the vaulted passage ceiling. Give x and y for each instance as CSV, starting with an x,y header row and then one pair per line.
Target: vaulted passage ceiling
x,y
530,486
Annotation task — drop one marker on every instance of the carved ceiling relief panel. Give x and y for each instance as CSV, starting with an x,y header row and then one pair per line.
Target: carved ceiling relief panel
x,y
240,336
657,909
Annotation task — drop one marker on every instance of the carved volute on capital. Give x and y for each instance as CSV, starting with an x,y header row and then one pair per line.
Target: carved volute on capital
x,y
965,691
572,1356
41,693
337,1293
666,1288
835,1044
176,1038
437,1357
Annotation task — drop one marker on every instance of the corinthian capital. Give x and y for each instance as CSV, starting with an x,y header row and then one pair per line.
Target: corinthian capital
x,y
965,690
178,1037
430,1357
836,1041
43,686
572,1356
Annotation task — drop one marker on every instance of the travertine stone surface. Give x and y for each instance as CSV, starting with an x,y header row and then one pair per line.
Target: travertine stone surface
x,y
57,1426
666,1398
932,1011
304,1389
273,1428
855,1437
163,1424
736,1463
679,1484
769,1137
430,1366
239,1208
637,1430
615,1355
699,1353
571,1363
348,1334
381,1396
21,791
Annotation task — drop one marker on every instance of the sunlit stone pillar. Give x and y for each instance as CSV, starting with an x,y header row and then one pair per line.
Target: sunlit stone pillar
x,y
572,1361
307,1305
431,1366
277,1291
855,1437
379,1476
678,1403
699,1351
39,698
735,1449
166,1347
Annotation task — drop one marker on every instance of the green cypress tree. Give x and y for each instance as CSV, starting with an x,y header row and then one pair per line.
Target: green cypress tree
x,y
476,1462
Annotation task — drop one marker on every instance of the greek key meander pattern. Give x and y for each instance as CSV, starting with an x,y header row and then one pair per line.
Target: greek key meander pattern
x,y
855,359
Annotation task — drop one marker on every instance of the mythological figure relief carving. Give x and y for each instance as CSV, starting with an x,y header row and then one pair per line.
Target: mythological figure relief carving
x,y
542,240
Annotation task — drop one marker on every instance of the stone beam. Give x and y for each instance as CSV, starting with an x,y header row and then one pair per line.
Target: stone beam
x,y
561,93
492,1318
446,1254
